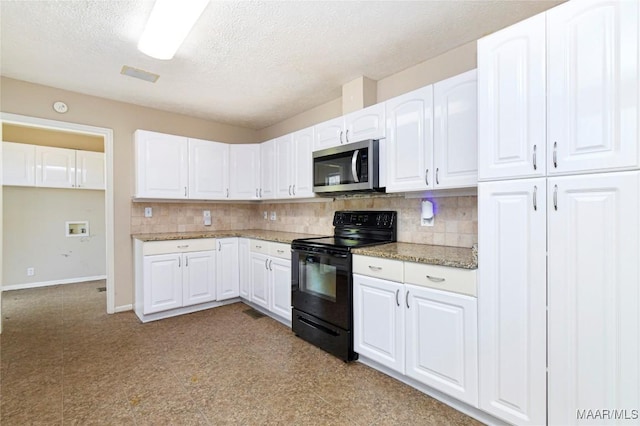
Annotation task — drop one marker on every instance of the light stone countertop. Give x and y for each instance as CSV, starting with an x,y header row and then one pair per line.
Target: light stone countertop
x,y
257,234
457,257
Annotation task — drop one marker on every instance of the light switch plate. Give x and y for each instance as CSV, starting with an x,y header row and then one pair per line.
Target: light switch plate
x,y
206,214
265,215
273,216
148,212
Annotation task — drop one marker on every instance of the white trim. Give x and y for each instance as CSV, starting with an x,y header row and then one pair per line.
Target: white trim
x,y
183,310
53,282
107,135
124,308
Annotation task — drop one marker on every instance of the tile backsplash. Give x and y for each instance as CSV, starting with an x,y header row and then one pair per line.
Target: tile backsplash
x,y
456,219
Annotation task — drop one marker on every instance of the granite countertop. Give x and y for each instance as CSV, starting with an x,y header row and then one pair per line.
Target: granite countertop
x,y
257,234
457,257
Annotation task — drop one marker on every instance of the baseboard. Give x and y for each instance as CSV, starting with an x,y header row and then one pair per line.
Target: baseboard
x,y
54,282
123,308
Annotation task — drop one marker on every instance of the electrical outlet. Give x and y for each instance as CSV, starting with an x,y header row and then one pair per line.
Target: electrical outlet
x,y
273,216
148,212
31,272
265,215
206,214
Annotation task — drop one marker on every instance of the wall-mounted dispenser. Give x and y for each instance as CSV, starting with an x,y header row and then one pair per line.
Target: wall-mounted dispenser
x,y
427,215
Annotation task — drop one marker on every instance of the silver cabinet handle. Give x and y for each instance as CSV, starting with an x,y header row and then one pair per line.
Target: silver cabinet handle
x,y
437,179
280,251
179,262
186,262
397,294
227,192
555,197
375,268
219,246
555,155
185,191
535,162
258,247
260,192
257,193
435,279
289,189
354,164
426,177
406,299
294,189
270,263
184,246
341,137
535,197
266,262
346,135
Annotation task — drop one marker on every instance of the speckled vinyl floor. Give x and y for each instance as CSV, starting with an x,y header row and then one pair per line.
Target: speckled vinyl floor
x,y
65,361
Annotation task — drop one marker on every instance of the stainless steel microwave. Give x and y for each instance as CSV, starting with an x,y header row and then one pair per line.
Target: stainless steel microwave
x,y
353,167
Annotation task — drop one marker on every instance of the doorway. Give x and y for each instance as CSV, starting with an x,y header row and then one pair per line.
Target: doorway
x,y
107,137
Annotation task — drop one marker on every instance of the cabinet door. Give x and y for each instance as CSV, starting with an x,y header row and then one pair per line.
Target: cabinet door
x,y
162,165
267,170
280,272
18,164
512,299
302,163
410,141
260,279
593,103
244,172
378,321
284,166
162,282
368,123
442,341
227,272
208,170
511,101
90,170
455,144
328,134
198,277
593,293
55,167
244,273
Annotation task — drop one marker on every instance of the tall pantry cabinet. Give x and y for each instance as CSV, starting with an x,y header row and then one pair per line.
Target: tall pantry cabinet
x,y
559,193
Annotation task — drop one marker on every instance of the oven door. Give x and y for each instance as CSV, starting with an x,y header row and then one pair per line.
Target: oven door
x,y
321,286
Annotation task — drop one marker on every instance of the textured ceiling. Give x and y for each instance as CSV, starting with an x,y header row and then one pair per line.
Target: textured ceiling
x,y
250,64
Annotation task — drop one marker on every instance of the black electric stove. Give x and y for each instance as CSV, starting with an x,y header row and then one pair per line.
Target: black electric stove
x,y
322,284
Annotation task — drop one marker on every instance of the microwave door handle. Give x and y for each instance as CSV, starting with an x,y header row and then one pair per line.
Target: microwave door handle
x,y
354,162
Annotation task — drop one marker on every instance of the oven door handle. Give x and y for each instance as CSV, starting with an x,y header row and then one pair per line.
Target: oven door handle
x,y
354,166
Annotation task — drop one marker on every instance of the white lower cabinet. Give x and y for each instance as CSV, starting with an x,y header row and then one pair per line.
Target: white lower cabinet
x,y
427,334
198,283
442,342
244,272
227,272
270,266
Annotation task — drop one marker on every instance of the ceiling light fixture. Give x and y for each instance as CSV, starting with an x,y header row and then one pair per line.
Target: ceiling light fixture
x,y
169,24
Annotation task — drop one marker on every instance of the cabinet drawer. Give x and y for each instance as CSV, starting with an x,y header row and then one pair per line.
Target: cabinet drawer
x,y
178,246
445,278
259,246
280,250
386,269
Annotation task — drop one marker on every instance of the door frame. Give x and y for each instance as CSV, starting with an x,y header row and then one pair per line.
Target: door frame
x,y
107,135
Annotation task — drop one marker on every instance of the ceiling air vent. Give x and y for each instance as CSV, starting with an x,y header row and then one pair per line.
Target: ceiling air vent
x,y
141,74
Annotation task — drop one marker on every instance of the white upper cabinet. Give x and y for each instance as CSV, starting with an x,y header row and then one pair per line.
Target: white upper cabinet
x,y
18,164
90,170
208,170
367,123
302,163
267,189
244,171
455,146
512,290
410,141
593,74
55,167
294,175
162,165
593,293
511,101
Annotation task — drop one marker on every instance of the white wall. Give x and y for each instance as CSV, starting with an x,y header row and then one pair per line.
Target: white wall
x,y
34,234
